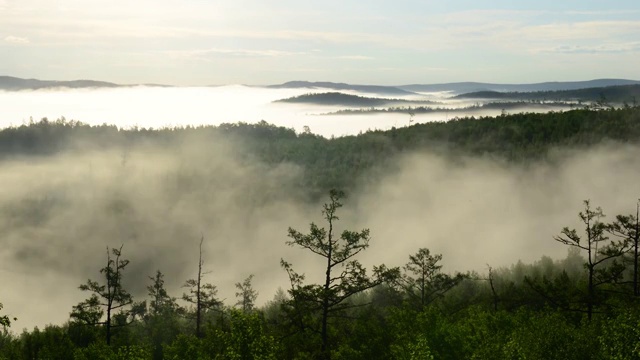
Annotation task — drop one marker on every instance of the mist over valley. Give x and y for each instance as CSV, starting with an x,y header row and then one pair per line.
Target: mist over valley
x,y
478,197
339,180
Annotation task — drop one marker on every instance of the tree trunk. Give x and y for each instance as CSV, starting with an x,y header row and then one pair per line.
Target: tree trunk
x,y
493,290
590,289
590,294
636,291
422,288
198,298
108,324
109,299
325,354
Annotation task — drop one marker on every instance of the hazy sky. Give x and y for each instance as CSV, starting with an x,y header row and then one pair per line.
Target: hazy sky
x,y
203,42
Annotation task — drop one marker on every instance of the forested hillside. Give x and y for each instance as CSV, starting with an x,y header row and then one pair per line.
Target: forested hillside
x,y
624,94
585,306
340,162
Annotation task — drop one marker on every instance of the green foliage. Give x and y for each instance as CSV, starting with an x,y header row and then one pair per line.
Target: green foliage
x,y
4,319
97,351
207,294
422,280
329,299
9,346
161,319
202,297
341,99
246,295
101,351
542,335
416,349
620,336
600,95
51,343
528,311
161,303
603,263
425,332
185,347
107,297
247,338
346,162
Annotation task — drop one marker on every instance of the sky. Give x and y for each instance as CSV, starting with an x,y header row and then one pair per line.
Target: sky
x,y
213,42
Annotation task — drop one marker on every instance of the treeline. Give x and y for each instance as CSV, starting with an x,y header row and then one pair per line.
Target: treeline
x,y
514,105
341,99
623,94
583,307
337,98
345,161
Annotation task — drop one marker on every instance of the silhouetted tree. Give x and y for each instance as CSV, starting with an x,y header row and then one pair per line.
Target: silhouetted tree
x,y
422,279
344,276
161,318
602,265
109,297
203,296
160,302
246,294
628,228
494,293
4,319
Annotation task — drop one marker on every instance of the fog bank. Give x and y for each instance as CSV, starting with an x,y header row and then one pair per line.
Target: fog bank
x,y
157,107
58,214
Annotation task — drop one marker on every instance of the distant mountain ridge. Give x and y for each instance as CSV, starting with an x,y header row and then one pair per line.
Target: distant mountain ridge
x,y
341,99
371,89
14,83
470,87
11,83
617,93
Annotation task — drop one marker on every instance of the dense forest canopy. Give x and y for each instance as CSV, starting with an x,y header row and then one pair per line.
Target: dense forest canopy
x,y
338,162
629,94
341,99
148,196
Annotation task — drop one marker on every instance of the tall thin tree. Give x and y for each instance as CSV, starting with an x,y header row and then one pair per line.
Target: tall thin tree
x,y
107,297
203,296
246,294
602,267
423,279
338,253
627,227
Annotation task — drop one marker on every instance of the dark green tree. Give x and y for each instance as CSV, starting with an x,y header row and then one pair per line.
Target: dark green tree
x,y
161,302
344,276
161,318
107,297
422,279
203,296
4,319
627,227
246,294
602,253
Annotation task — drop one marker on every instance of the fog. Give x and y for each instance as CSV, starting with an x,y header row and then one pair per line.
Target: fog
x,y
59,213
157,107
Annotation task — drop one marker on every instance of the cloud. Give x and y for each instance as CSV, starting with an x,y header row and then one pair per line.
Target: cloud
x,y
585,30
209,54
354,57
601,12
594,49
515,31
158,198
16,39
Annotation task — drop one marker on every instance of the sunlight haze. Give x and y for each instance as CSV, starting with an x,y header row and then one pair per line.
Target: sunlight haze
x,y
378,42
